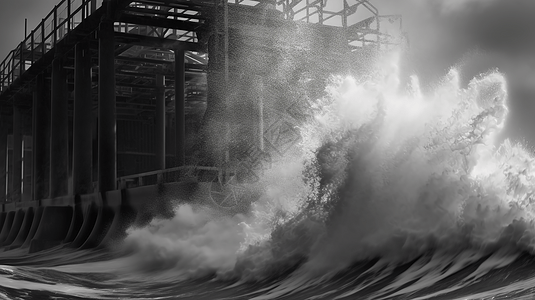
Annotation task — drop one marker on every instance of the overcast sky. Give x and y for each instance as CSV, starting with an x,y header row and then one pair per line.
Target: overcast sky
x,y
478,35
12,15
483,34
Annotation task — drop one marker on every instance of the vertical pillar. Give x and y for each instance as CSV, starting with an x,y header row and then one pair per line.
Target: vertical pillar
x,y
82,155
26,169
9,165
107,148
93,6
159,122
59,132
27,165
180,112
224,91
259,95
41,139
16,183
3,159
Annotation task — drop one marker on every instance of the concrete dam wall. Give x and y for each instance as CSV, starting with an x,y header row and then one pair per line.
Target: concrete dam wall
x,y
92,220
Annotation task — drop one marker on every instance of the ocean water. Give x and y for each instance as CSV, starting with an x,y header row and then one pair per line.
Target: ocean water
x,y
391,193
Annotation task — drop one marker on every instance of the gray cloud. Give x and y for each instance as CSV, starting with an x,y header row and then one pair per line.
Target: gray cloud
x,y
477,35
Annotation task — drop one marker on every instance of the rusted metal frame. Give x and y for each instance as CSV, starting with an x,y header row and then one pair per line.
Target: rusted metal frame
x,y
168,14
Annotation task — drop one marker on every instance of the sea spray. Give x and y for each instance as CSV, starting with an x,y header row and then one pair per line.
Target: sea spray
x,y
382,172
194,243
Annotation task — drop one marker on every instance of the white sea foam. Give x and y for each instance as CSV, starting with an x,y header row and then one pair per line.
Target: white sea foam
x,y
389,172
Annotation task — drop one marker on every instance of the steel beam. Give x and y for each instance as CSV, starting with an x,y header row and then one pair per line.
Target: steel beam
x,y
156,42
160,22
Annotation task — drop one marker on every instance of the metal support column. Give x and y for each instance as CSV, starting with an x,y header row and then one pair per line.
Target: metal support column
x,y
259,95
224,90
3,160
180,112
107,144
93,6
41,140
217,110
59,132
159,122
27,165
83,118
17,155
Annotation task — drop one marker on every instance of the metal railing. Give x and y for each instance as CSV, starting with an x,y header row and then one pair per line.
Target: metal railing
x,y
177,174
362,33
53,28
162,12
69,13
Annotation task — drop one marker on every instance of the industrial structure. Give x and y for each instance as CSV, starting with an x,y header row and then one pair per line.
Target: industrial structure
x,y
108,106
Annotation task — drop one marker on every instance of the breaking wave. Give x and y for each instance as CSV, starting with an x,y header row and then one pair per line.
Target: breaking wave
x,y
383,174
391,193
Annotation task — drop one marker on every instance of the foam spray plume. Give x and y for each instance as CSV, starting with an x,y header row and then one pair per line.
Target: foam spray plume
x,y
382,173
